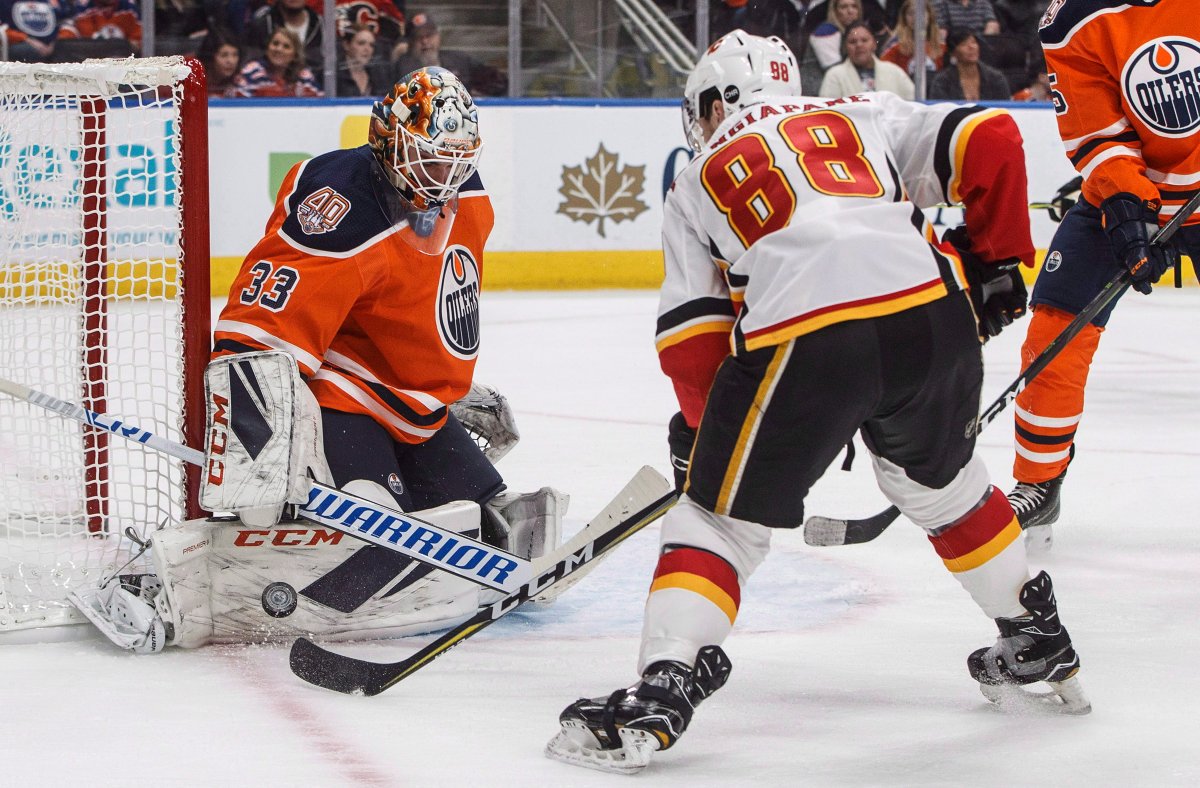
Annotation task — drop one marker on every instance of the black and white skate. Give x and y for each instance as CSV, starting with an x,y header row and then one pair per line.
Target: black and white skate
x,y
1031,649
1037,507
620,732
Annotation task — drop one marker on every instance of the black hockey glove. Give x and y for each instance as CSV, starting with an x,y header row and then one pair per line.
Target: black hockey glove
x,y
996,288
1128,222
1065,199
681,438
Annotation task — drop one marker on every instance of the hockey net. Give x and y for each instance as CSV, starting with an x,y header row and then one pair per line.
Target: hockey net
x,y
103,301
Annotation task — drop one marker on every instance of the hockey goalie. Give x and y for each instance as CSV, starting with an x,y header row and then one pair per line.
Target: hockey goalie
x,y
345,355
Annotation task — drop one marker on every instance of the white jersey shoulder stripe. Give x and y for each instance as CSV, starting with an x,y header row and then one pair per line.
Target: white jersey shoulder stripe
x,y
367,244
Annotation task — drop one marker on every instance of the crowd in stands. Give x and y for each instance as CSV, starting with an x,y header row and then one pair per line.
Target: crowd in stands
x,y
249,48
975,50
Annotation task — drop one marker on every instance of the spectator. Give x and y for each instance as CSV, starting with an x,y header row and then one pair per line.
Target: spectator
x,y
824,49
978,16
1020,18
425,49
280,72
1037,86
292,15
899,49
105,20
873,12
967,78
179,26
783,18
30,28
385,18
861,71
221,55
359,74
235,15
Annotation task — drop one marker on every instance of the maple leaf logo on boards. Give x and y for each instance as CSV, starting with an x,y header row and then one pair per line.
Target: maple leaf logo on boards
x,y
600,191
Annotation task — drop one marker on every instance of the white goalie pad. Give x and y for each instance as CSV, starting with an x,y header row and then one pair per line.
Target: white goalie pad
x,y
264,437
528,525
488,418
227,582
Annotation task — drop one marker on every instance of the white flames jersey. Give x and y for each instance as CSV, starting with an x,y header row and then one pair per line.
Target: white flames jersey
x,y
805,212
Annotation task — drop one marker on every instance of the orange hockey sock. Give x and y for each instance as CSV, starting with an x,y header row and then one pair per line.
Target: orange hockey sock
x,y
1049,408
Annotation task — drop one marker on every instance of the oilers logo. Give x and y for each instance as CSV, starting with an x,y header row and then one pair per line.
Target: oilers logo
x,y
34,19
458,303
1162,85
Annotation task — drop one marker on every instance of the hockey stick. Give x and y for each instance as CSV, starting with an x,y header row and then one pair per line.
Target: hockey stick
x,y
448,550
825,531
646,498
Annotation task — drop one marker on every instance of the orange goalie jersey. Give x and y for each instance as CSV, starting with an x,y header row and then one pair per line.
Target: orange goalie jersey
x,y
377,327
1126,82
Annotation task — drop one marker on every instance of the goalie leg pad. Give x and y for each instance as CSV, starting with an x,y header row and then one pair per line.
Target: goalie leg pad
x,y
264,436
226,582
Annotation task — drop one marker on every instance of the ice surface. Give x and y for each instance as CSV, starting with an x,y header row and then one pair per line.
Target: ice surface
x,y
849,663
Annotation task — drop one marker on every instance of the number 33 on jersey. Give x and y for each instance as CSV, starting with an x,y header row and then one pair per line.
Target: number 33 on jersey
x,y
787,221
378,327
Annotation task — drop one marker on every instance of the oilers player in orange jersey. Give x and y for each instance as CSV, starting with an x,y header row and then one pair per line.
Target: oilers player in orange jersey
x,y
368,277
346,353
1126,90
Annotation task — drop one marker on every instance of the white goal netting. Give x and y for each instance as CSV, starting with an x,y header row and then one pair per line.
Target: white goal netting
x,y
94,309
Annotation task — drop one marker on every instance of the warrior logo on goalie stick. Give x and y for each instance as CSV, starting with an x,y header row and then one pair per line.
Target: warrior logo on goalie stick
x,y
458,303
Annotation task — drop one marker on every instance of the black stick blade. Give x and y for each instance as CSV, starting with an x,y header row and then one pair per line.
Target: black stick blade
x,y
827,531
336,671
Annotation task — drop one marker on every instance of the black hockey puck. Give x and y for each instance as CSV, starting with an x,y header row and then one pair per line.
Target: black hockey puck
x,y
279,600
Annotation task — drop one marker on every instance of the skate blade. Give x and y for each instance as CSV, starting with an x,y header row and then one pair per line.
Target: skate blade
x,y
576,745
1065,697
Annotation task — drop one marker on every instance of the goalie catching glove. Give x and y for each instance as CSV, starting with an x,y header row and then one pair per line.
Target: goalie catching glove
x,y
485,414
996,289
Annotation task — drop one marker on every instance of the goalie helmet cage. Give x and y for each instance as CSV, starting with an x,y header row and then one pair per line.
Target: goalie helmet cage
x,y
104,301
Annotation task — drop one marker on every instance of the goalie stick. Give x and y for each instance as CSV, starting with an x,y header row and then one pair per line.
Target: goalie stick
x,y
423,541
642,501
825,531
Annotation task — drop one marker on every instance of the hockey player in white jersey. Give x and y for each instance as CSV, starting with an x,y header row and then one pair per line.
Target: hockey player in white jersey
x,y
807,298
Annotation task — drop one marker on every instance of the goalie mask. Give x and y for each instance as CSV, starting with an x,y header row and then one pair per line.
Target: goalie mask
x,y
738,70
425,133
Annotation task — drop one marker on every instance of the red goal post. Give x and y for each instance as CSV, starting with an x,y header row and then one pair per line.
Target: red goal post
x,y
104,301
